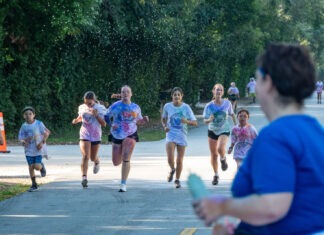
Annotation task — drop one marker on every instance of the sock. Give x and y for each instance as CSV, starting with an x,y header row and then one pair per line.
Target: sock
x,y
222,158
216,173
123,182
33,181
84,177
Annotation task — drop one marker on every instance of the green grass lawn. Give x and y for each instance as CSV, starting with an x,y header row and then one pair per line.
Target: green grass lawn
x,y
8,190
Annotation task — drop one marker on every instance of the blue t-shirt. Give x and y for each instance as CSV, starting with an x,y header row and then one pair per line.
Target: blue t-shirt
x,y
287,156
124,118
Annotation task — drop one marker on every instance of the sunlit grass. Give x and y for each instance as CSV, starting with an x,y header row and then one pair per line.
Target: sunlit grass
x,y
10,190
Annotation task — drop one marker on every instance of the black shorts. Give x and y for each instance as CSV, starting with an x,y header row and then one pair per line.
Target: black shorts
x,y
92,142
120,141
212,135
232,97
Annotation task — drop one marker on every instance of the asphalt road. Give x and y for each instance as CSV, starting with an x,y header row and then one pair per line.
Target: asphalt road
x,y
150,206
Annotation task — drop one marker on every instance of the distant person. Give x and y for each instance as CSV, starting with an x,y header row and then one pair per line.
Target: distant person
x,y
125,116
176,116
233,95
251,89
33,135
279,188
242,137
216,114
319,90
91,115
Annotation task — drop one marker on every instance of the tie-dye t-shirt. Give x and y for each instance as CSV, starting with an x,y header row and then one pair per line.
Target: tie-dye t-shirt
x,y
124,118
178,131
242,138
91,129
220,124
33,134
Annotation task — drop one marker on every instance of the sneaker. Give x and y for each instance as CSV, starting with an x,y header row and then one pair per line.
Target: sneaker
x,y
170,176
96,168
122,188
84,183
215,180
177,183
224,164
33,188
43,170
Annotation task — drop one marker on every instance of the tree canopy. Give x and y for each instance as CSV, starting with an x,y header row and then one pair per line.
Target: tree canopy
x,y
52,52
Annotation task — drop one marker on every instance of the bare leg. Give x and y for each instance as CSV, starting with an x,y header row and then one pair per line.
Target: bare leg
x,y
213,154
85,147
128,146
94,152
221,145
180,151
116,154
170,147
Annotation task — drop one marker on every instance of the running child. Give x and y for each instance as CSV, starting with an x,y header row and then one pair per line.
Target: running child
x,y
242,137
176,116
124,116
91,114
33,135
216,114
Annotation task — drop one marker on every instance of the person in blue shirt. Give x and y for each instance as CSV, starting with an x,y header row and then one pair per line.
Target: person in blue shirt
x,y
279,188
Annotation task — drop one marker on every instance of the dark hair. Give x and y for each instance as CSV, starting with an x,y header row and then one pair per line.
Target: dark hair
x,y
243,110
176,89
90,95
28,108
291,69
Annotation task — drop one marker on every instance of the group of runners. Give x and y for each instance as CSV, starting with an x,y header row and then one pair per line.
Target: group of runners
x,y
124,116
278,189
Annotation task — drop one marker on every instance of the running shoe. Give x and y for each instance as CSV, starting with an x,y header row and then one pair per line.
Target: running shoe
x,y
215,180
177,183
224,164
170,176
122,188
43,170
96,168
84,183
33,188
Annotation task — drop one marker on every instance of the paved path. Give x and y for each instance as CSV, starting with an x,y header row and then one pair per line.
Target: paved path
x,y
150,206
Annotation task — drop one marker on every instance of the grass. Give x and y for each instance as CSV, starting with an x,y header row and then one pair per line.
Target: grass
x,y
8,190
151,131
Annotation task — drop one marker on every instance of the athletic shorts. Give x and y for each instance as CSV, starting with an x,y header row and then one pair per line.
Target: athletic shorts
x,y
34,159
92,142
213,136
232,97
120,141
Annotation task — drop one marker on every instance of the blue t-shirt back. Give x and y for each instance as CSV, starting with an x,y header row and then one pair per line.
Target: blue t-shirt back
x,y
287,156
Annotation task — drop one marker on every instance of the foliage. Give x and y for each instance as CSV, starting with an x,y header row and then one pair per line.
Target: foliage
x,y
52,52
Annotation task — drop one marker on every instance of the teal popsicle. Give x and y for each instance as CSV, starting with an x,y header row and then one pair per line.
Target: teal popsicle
x,y
197,187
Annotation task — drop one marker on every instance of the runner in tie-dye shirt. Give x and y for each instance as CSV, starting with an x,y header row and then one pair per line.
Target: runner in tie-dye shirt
x,y
91,114
124,117
216,114
176,116
242,137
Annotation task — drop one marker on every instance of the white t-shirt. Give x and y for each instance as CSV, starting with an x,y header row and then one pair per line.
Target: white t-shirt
x,y
319,86
33,134
220,124
251,87
177,131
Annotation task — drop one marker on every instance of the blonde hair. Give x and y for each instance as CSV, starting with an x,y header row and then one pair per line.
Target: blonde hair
x,y
217,85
